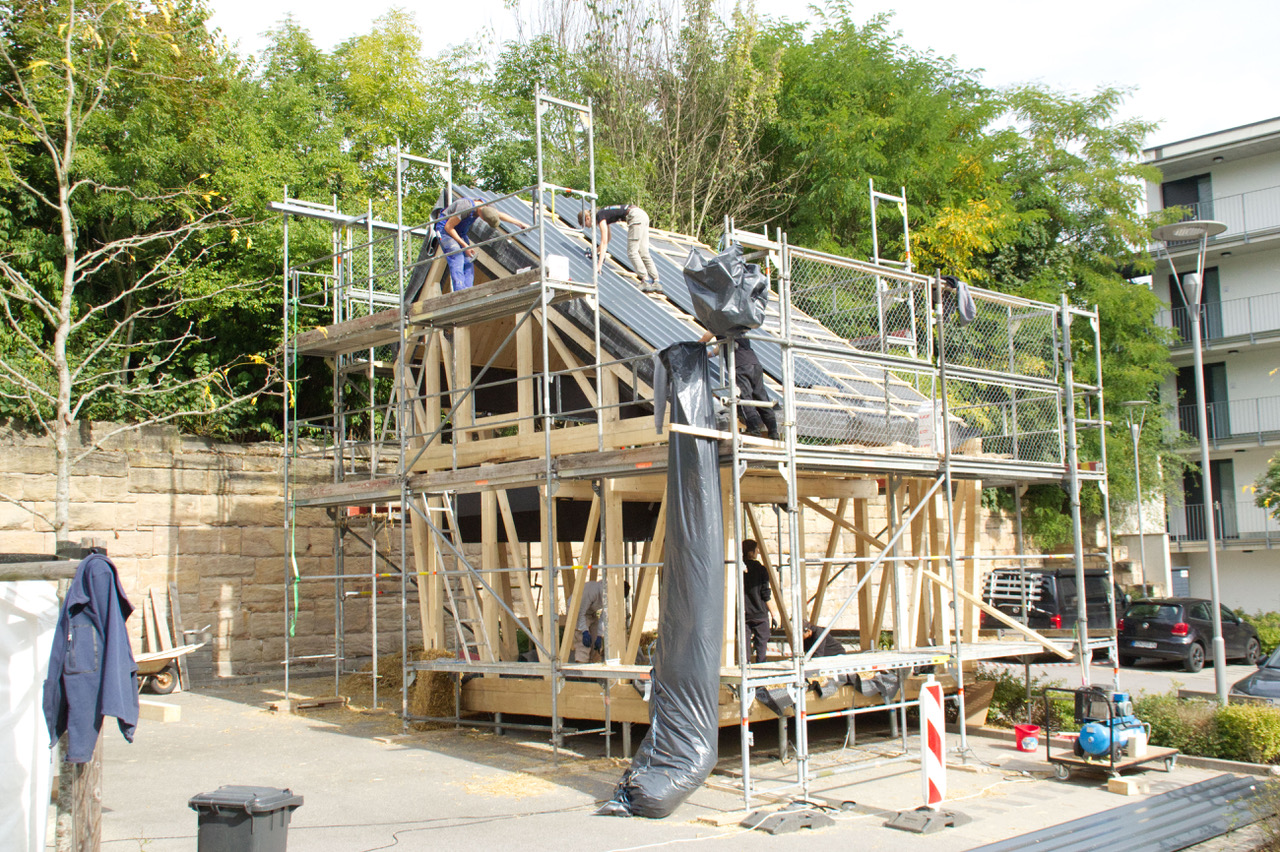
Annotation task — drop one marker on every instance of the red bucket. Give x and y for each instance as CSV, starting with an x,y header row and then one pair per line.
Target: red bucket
x,y
1026,737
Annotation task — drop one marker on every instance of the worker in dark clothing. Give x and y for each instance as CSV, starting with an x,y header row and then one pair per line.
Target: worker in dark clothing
x,y
637,240
91,669
756,596
749,377
830,647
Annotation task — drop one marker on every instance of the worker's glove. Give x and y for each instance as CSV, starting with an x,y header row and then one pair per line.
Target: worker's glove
x,y
599,643
586,638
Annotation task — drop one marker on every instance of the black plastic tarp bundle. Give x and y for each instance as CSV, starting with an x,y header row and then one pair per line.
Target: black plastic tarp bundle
x,y
729,294
679,751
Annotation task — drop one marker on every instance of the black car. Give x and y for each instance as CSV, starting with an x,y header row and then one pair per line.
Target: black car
x,y
1182,629
1264,683
1047,598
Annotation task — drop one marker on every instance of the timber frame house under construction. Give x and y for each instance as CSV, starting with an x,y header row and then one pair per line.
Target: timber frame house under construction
x,y
503,439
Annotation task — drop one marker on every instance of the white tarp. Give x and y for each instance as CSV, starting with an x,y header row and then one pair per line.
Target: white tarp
x,y
28,616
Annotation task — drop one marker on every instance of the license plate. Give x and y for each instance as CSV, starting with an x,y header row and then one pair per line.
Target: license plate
x,y
1137,644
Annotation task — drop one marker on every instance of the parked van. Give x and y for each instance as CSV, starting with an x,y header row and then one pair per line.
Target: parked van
x,y
1046,598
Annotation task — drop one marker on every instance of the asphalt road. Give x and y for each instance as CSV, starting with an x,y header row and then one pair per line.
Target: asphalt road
x,y
1149,676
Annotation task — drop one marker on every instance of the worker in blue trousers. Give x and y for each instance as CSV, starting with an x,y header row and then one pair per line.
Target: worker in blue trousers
x,y
454,229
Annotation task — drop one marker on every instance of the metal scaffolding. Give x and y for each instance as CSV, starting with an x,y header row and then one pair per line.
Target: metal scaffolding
x,y
876,378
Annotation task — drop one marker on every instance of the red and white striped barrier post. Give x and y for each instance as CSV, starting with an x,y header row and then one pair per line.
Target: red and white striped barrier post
x,y
933,768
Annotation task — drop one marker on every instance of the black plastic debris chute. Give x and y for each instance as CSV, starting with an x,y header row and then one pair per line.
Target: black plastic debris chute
x,y
679,751
729,294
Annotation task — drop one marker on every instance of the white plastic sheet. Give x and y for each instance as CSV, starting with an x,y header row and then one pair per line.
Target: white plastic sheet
x,y
28,616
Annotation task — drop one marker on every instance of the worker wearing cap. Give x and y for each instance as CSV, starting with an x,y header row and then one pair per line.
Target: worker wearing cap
x,y
454,228
637,240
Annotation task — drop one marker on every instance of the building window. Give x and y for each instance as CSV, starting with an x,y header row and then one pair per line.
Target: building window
x,y
1195,193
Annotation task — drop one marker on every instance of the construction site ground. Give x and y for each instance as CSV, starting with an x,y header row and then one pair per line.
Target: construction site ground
x,y
368,785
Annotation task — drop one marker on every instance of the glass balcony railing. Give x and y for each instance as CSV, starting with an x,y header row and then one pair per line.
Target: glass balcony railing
x,y
1255,419
1235,318
1235,523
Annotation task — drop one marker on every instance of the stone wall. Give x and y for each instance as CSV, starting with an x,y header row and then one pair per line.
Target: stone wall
x,y
209,518
203,515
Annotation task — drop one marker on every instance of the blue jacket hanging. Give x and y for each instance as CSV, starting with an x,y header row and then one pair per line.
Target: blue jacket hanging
x,y
91,669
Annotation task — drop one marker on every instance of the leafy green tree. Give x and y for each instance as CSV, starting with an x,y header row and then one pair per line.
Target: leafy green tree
x,y
101,129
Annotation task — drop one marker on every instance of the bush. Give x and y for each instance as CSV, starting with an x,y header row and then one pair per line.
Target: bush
x,y
1249,732
1268,626
1009,701
1187,725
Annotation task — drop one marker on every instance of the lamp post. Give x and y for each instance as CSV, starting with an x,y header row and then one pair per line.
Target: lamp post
x,y
1192,286
1135,430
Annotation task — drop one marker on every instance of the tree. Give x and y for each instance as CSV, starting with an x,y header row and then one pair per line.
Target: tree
x,y
101,108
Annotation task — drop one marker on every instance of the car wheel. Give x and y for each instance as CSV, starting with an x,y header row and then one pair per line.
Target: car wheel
x,y
1253,652
1127,661
1194,660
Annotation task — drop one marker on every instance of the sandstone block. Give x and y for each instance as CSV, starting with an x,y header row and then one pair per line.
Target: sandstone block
x,y
260,542
169,480
31,460
102,463
197,540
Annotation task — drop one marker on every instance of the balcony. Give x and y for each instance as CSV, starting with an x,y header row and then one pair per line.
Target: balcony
x,y
1255,421
1236,525
1247,215
1242,320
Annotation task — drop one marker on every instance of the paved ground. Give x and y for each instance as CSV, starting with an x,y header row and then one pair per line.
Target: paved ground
x,y
369,786
1149,676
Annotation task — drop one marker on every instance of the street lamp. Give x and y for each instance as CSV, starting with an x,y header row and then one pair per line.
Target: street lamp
x,y
1135,430
1192,285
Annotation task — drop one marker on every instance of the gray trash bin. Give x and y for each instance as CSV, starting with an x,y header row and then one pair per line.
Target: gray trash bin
x,y
244,819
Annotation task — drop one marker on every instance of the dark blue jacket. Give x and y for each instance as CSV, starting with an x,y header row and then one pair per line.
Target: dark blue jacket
x,y
91,669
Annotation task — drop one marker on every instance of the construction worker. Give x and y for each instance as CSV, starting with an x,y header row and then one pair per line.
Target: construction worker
x,y
756,595
637,240
830,646
749,377
588,626
454,228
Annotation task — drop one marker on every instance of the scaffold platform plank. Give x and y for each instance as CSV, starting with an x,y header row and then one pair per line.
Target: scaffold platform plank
x,y
353,492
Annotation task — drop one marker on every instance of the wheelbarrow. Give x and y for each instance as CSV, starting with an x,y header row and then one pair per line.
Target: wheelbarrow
x,y
160,668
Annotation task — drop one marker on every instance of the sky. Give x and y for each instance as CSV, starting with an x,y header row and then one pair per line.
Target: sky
x,y
1195,67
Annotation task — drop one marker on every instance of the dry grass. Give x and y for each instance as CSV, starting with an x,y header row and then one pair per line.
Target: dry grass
x,y
431,694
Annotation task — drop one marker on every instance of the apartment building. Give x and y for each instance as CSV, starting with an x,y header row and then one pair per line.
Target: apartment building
x,y
1232,176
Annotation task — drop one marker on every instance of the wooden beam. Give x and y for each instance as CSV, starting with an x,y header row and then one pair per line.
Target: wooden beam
x,y
833,546
1000,616
859,533
862,551
654,550
516,559
614,576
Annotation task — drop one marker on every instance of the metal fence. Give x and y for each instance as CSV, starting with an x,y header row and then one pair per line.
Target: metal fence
x,y
1234,318
1256,419
1235,522
1004,396
1244,214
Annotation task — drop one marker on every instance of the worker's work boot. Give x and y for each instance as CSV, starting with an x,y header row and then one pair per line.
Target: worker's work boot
x,y
651,286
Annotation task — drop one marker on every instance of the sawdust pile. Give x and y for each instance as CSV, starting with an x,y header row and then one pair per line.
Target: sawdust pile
x,y
518,785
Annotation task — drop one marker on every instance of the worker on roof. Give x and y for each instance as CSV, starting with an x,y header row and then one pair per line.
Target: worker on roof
x,y
637,240
749,377
454,228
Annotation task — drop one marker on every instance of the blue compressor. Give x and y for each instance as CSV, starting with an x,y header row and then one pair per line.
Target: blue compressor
x,y
1106,722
